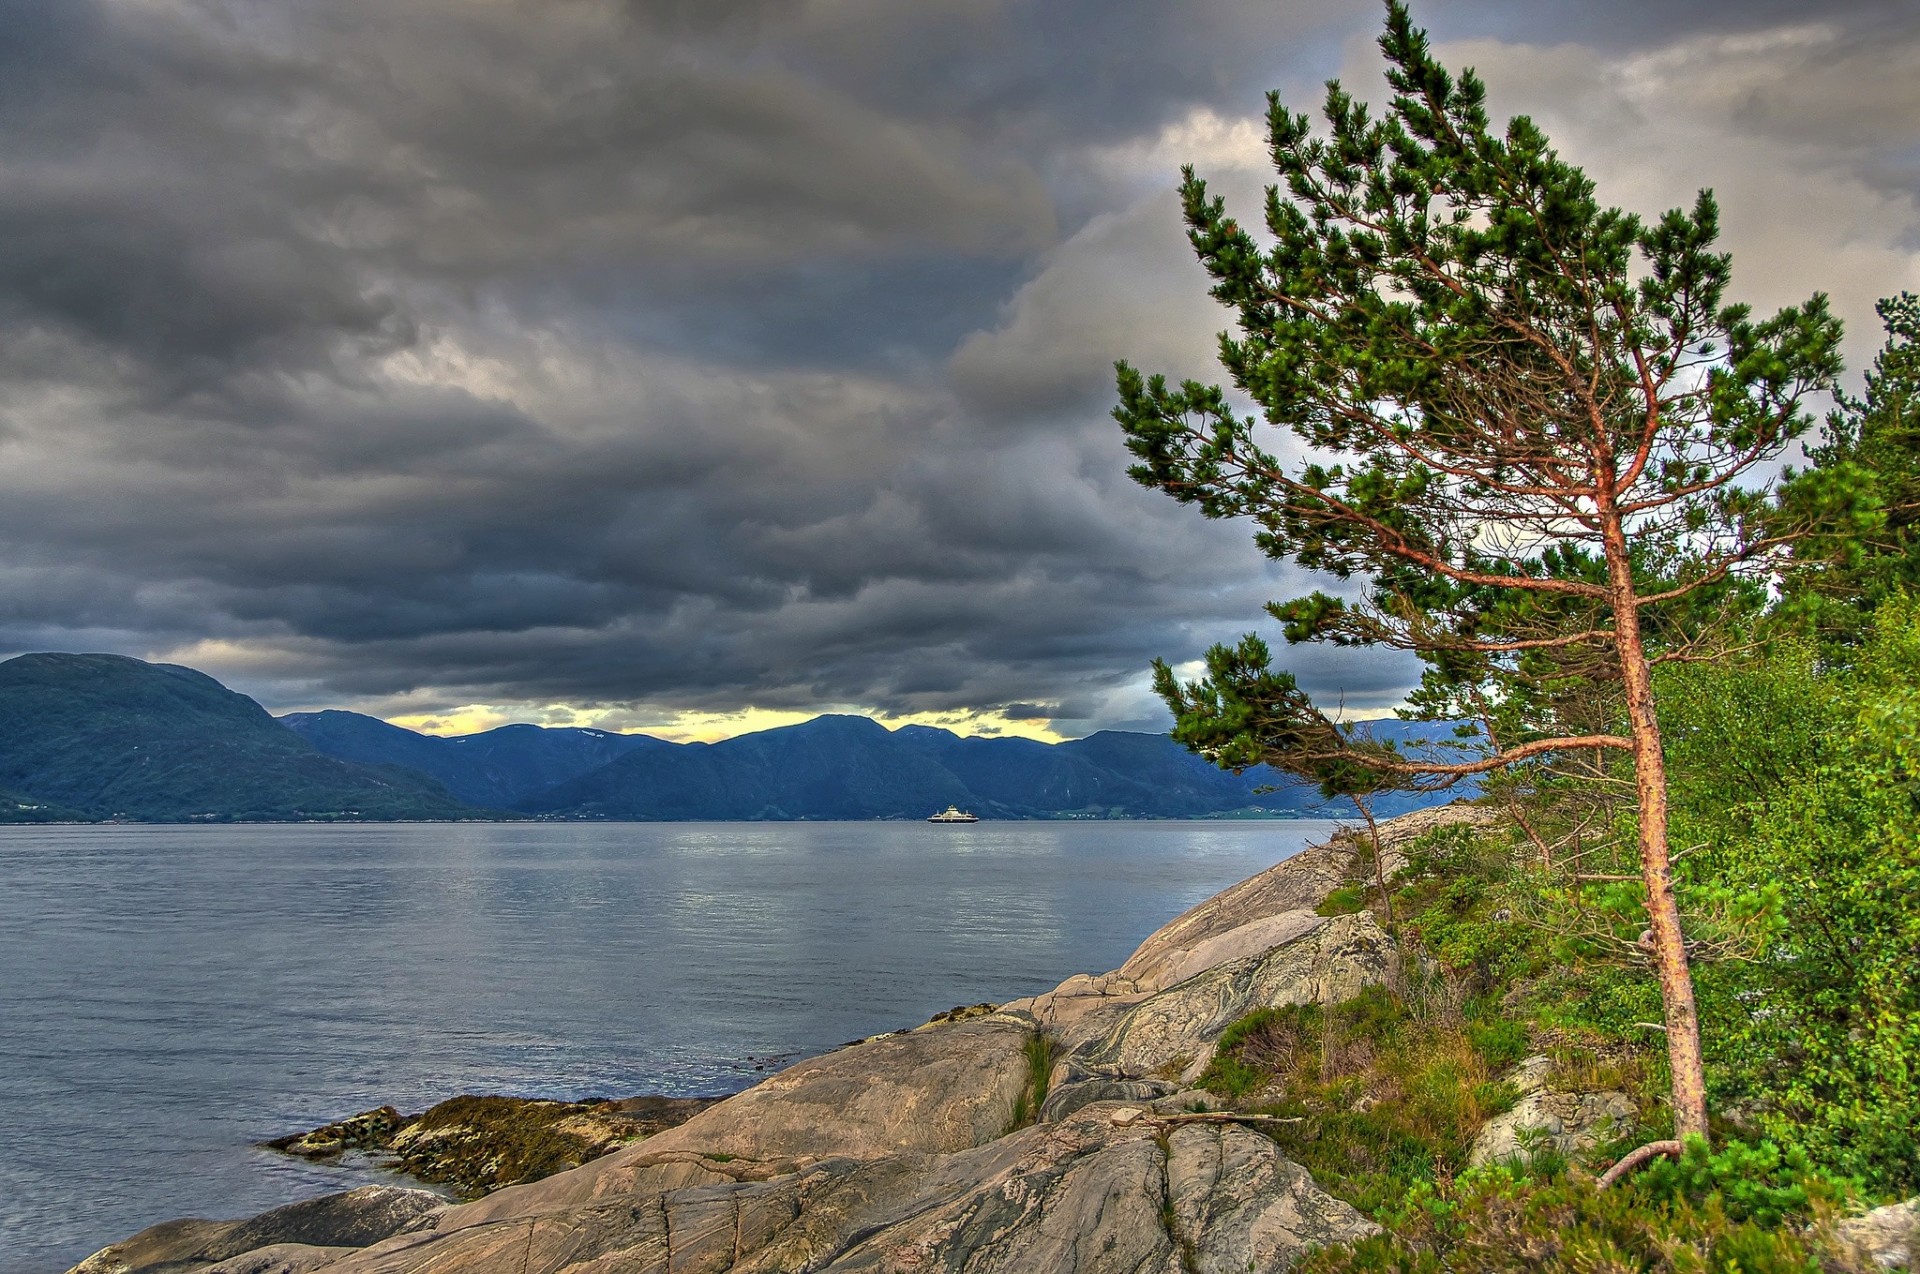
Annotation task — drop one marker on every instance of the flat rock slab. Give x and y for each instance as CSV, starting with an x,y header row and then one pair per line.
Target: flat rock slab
x,y
1085,1195
346,1221
934,1091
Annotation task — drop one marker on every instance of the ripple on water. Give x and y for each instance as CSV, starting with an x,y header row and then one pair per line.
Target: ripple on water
x,y
171,995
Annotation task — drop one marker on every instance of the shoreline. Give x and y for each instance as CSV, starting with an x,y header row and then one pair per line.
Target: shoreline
x,y
962,1086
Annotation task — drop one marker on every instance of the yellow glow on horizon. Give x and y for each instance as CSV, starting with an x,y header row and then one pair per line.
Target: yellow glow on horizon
x,y
696,727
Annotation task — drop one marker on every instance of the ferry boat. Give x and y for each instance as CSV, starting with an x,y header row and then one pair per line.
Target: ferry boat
x,y
954,814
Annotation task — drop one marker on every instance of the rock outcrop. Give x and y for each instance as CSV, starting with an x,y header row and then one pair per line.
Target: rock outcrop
x,y
478,1144
1090,1193
1547,1118
1889,1236
1171,1034
1272,909
288,1240
905,1152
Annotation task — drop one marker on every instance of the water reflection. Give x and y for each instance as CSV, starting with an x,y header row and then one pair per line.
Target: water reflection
x,y
169,996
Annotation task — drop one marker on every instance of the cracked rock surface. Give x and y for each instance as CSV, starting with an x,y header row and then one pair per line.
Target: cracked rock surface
x,y
1085,1194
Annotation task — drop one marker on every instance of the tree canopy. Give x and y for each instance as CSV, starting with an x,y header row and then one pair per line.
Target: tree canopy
x,y
1528,427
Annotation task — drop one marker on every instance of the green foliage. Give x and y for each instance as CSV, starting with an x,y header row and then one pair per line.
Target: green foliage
x,y
1750,1181
1457,897
1500,1042
1863,493
1344,901
1499,1219
1494,381
1040,1051
1805,786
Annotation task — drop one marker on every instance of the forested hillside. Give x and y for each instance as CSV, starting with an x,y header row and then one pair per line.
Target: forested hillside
x,y
102,736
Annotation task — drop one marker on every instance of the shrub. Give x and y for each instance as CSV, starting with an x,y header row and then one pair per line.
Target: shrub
x,y
1501,1219
1758,1182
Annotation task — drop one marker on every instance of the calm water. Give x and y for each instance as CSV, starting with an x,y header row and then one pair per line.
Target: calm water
x,y
170,996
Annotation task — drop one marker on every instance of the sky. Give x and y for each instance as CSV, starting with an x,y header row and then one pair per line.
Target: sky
x,y
693,366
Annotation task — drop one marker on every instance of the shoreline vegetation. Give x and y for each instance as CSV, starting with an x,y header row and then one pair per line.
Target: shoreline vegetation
x,y
1266,1082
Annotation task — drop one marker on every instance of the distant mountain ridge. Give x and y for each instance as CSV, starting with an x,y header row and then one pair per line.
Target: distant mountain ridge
x,y
104,736
494,769
839,767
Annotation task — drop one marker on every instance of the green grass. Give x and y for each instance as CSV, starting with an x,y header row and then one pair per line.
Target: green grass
x,y
1344,901
1387,1095
1040,1052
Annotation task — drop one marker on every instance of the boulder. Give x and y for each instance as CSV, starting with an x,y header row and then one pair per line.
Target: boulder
x,y
1196,940
1889,1236
1276,907
172,1247
351,1219
1544,1118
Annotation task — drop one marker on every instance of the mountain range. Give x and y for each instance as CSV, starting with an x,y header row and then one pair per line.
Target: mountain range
x,y
105,736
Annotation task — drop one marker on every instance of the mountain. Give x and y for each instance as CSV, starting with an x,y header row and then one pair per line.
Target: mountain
x,y
494,769
841,767
104,736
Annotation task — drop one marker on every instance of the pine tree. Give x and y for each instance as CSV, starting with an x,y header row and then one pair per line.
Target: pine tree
x,y
1863,495
1527,425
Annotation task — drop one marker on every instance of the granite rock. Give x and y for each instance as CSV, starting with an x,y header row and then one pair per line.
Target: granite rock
x,y
1889,1236
1172,1034
1546,1118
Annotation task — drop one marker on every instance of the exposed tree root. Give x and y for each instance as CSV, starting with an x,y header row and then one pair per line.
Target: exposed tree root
x,y
1635,1158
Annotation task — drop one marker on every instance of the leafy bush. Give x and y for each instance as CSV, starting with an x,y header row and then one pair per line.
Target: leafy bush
x,y
1757,1182
1816,1039
1499,1220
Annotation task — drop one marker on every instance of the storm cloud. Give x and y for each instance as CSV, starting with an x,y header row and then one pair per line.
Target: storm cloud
x,y
658,357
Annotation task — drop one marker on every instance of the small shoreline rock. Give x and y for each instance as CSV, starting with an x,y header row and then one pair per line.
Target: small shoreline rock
x,y
478,1144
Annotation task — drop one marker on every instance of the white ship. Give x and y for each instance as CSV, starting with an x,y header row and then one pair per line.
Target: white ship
x,y
954,814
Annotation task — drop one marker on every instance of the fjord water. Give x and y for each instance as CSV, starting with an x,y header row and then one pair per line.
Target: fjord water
x,y
170,996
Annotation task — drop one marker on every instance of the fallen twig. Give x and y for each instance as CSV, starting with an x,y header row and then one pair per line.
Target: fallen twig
x,y
1124,1117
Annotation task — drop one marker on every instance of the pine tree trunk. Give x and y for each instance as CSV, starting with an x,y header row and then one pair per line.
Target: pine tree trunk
x,y
1656,868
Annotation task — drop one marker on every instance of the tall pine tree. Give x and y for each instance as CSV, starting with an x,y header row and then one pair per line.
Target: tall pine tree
x,y
1526,423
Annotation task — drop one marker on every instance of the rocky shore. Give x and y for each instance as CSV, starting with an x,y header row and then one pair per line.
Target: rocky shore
x,y
1058,1133
476,1145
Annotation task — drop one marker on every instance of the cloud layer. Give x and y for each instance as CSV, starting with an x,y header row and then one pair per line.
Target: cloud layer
x,y
666,359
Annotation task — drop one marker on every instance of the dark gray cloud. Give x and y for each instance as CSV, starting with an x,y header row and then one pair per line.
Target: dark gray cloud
x,y
675,356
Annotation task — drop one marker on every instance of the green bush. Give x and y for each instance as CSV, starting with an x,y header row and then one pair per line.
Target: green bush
x,y
1758,1182
1500,1041
1805,783
1502,1220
